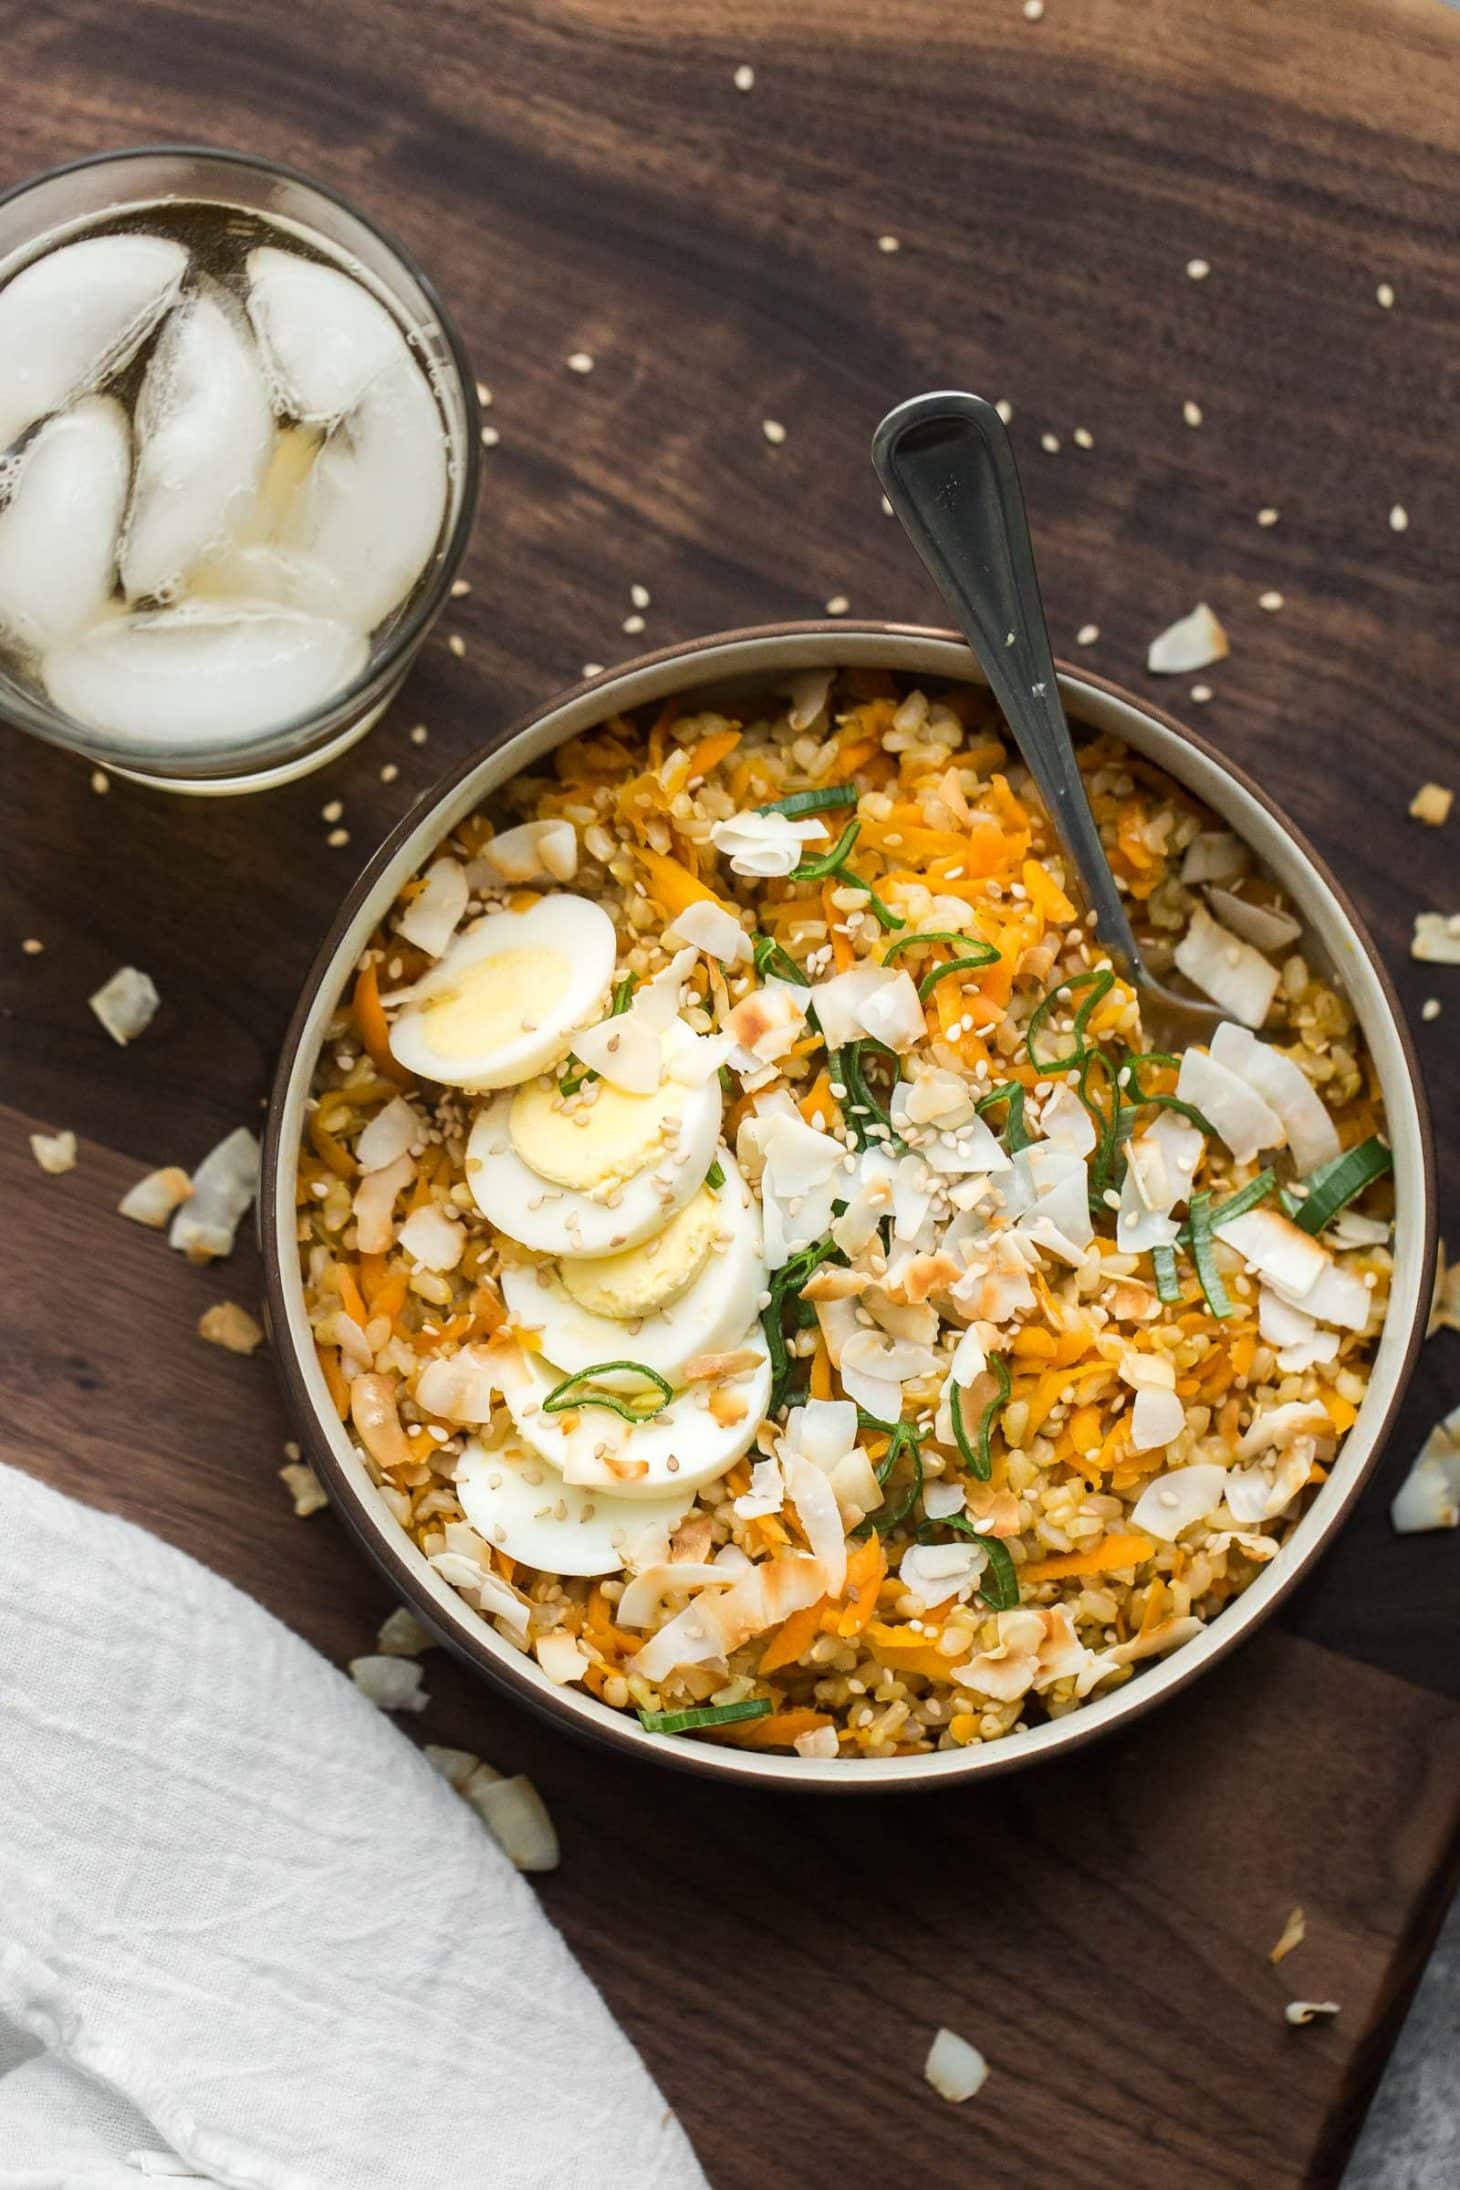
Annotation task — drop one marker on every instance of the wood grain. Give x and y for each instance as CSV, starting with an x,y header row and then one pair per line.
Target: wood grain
x,y
582,174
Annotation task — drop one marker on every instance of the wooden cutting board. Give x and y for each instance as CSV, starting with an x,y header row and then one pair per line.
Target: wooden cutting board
x,y
583,175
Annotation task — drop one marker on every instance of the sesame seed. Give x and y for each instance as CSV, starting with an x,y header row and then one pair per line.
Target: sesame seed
x,y
490,437
592,669
889,244
389,772
580,362
1033,10
774,431
32,946
333,811
1191,412
1050,443
1197,269
639,595
744,77
456,645
1268,516
838,605
1005,410
1087,634
1429,1009
101,782
337,839
1270,601
633,625
420,734
484,395
1083,438
887,509
459,589
1384,296
1201,693
1399,518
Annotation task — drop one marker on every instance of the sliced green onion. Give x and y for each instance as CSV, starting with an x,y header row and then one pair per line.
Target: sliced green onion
x,y
772,957
1236,1205
565,1397
977,1457
1336,1183
861,1104
902,1438
999,1586
1204,1256
981,954
1168,1284
834,862
705,1714
1016,1132
812,802
955,965
1099,981
715,1176
787,1283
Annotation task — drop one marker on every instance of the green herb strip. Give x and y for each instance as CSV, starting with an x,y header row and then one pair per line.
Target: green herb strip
x,y
1236,1205
705,1714
812,802
1015,1094
901,1438
834,862
861,1105
1168,1284
1203,1255
999,1583
785,1286
1336,1183
715,1176
980,954
976,1456
771,957
1099,982
566,1398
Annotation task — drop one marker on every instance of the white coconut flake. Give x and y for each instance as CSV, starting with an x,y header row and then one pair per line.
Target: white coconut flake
x,y
432,1238
1244,1121
1225,968
811,1493
1193,642
460,1387
932,1573
1157,1418
766,1493
1311,1135
765,846
392,1684
153,1199
390,1134
1300,2012
1174,1502
707,926
623,1051
955,2069
1436,938
535,851
820,1741
1260,925
516,1816
1215,855
1429,1496
809,689
431,918
127,1004
223,1188
401,1635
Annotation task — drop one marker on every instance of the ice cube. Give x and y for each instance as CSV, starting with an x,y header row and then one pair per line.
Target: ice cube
x,y
69,321
58,533
203,674
262,572
323,336
369,513
205,428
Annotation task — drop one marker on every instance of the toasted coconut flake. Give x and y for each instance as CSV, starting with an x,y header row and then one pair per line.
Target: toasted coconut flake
x,y
765,845
1260,925
304,1487
126,1005
844,1003
374,1204
536,851
392,1684
54,1152
1228,970
402,1635
1437,938
224,1186
432,1238
460,1387
1193,642
390,1134
231,1327
1292,1935
1299,2012
1276,1249
516,1816
1432,803
706,926
1429,1497
431,918
718,1368
1157,1418
623,1051
765,1024
561,1657
955,2069
373,1411
818,1512
153,1199
1173,1502
1445,1306
1276,1428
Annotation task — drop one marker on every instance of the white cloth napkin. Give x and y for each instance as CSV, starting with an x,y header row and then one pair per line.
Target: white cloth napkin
x,y
247,1935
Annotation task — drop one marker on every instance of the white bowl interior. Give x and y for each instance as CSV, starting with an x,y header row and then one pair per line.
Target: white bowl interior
x,y
743,663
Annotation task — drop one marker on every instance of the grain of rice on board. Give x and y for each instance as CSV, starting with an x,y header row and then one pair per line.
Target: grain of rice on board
x,y
760,1262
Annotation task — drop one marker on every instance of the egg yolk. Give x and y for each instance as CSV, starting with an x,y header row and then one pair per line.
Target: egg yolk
x,y
599,1142
644,1279
494,1002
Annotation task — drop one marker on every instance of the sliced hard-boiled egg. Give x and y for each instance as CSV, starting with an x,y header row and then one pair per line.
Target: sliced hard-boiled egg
x,y
506,999
693,1441
523,1506
646,1161
690,1290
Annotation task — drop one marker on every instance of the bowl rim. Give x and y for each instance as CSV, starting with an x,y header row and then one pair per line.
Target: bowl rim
x,y
470,1638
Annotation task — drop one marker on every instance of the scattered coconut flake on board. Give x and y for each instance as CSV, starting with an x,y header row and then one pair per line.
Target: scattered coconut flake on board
x,y
454,1765
1193,642
1429,1496
1445,1306
517,1818
231,1327
126,1005
304,1487
153,1199
392,1684
1299,2012
955,2069
402,1635
1437,938
224,1186
1292,1935
54,1152
1432,803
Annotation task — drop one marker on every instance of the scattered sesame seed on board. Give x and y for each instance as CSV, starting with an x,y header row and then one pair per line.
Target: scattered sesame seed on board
x,y
420,734
1033,10
639,595
1083,438
1191,412
1268,515
338,839
633,625
1430,1008
887,509
32,946
774,431
389,772
592,669
459,589
490,437
333,811
580,362
1384,296
1197,269
456,645
889,244
1201,693
1005,410
838,605
744,77
1050,443
484,395
1272,601
1399,518
101,782
1087,634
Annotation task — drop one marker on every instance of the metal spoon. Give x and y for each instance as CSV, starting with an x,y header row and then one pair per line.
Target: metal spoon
x,y
948,470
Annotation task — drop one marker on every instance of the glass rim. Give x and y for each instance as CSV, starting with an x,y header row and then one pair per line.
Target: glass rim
x,y
282,740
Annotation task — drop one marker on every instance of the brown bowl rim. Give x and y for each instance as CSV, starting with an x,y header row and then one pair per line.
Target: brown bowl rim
x,y
720,1763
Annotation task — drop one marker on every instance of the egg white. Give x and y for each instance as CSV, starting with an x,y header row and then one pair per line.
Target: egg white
x,y
682,1448
557,965
516,1501
709,1316
561,1220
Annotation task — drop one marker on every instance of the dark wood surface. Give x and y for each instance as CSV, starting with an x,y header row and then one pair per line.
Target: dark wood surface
x,y
581,174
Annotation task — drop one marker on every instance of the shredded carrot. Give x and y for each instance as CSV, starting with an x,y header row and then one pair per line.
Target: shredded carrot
x,y
391,1297
1107,1557
369,1017
821,1371
792,1639
819,1098
672,885
335,1378
778,1731
329,1150
866,1571
1046,894
1339,1411
710,751
349,1292
906,1652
